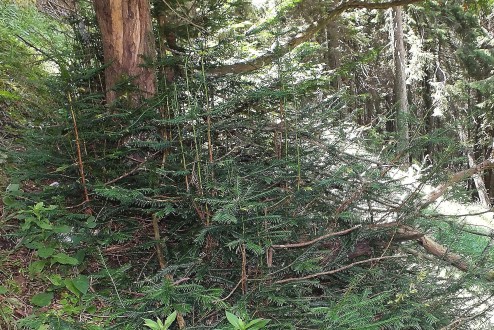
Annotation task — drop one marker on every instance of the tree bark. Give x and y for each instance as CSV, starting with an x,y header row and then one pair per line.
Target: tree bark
x,y
400,87
128,42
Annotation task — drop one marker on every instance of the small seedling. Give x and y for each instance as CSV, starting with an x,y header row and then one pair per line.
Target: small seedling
x,y
158,325
239,324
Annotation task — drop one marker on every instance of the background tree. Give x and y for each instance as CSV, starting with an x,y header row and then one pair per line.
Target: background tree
x,y
400,85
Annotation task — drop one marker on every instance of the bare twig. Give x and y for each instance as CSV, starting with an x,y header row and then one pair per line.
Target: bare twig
x,y
185,279
233,290
458,322
464,215
490,234
334,271
302,244
244,270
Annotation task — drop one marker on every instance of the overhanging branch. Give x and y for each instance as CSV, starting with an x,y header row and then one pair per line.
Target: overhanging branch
x,y
266,59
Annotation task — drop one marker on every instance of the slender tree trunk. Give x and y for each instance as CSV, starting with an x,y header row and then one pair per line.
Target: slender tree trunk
x,y
490,172
429,120
127,43
478,177
400,88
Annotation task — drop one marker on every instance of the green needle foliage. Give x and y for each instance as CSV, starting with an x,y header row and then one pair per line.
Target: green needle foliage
x,y
221,192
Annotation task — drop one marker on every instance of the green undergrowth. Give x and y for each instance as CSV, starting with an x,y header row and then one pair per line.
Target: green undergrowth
x,y
210,197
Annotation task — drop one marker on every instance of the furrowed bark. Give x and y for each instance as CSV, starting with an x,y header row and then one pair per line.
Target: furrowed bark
x,y
128,42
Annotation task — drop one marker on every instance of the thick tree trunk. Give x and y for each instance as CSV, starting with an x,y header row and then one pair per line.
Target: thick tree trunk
x,y
127,43
400,88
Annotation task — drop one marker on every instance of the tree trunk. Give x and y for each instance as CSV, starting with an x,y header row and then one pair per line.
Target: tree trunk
x,y
430,121
478,177
333,34
400,88
127,43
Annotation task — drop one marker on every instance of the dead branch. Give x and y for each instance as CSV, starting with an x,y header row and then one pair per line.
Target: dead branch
x,y
455,178
401,233
180,281
418,253
489,234
334,271
233,290
443,253
135,169
244,270
406,233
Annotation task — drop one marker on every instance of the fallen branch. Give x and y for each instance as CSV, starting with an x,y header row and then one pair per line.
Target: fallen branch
x,y
406,233
455,178
401,233
443,253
